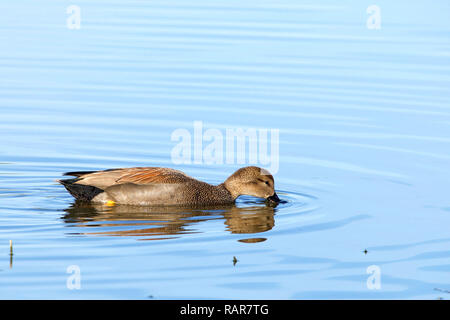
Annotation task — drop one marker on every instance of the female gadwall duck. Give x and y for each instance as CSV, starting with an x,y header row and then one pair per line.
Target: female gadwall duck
x,y
163,186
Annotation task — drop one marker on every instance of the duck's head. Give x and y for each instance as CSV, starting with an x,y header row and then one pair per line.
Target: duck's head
x,y
252,181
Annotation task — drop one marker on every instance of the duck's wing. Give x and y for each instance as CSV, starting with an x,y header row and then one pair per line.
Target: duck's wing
x,y
151,175
139,176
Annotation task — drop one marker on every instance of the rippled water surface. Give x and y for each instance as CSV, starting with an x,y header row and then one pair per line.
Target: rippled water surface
x,y
364,147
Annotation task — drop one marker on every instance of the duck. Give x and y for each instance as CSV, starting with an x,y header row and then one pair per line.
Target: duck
x,y
157,186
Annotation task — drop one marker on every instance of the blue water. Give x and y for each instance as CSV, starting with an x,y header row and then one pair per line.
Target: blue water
x,y
364,147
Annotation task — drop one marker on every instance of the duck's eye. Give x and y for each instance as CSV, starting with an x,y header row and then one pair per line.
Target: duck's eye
x,y
266,182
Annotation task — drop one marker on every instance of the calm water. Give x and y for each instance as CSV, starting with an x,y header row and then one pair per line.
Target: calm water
x,y
364,147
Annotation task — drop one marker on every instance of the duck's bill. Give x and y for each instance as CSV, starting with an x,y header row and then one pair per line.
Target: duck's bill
x,y
274,198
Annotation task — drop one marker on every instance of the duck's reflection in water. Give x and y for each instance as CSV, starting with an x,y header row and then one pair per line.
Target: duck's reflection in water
x,y
157,223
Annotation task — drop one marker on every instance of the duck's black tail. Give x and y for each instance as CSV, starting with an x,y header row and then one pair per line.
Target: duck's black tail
x,y
80,191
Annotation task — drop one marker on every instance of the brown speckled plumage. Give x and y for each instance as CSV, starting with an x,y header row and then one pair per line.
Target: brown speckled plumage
x,y
164,186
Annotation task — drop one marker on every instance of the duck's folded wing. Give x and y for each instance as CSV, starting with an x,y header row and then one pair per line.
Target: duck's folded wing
x,y
153,175
140,175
